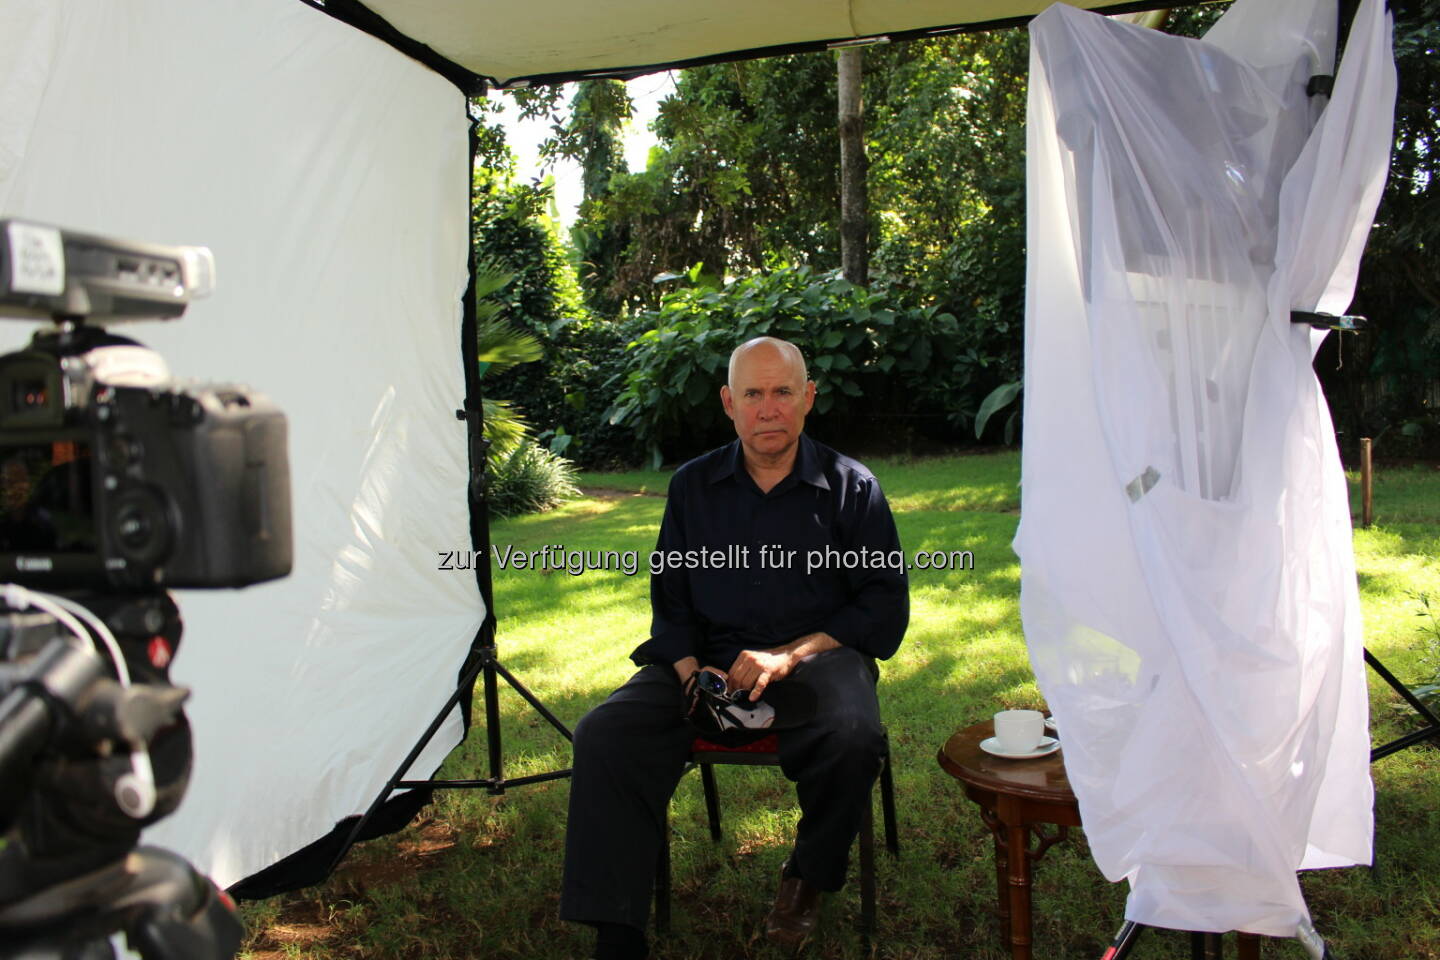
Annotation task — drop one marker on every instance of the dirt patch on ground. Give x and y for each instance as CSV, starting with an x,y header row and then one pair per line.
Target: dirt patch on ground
x,y
306,922
426,842
301,923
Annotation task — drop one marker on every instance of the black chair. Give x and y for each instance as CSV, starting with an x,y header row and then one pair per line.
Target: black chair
x,y
764,753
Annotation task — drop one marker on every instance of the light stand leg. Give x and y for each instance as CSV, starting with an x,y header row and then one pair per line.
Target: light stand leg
x,y
485,668
492,722
1124,941
1430,731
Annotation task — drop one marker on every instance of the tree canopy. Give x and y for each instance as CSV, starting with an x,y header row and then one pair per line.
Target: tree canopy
x,y
745,180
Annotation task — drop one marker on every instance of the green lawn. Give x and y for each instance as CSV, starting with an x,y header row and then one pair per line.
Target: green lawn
x,y
478,876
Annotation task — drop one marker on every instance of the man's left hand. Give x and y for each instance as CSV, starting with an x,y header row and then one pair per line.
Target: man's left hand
x,y
757,669
754,670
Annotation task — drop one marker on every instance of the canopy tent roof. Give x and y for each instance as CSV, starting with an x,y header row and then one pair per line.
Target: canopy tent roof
x,y
550,41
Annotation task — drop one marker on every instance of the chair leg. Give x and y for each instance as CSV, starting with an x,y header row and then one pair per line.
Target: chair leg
x,y
867,869
887,804
712,799
662,881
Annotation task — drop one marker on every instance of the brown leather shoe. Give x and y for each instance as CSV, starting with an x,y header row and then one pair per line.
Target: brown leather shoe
x,y
792,918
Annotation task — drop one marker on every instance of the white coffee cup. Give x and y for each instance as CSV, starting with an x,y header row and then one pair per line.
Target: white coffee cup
x,y
1019,731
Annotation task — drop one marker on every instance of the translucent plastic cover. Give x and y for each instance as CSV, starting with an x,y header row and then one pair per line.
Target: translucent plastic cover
x,y
1188,582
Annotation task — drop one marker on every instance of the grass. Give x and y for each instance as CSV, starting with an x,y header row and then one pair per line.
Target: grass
x,y
478,876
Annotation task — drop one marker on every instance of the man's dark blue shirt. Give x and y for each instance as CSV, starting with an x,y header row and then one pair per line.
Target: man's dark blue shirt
x,y
739,579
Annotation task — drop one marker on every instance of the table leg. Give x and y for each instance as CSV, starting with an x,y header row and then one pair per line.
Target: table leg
x,y
1002,884
1017,838
1249,946
1002,870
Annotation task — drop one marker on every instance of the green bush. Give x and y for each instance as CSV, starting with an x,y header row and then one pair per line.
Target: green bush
x,y
530,479
867,356
564,395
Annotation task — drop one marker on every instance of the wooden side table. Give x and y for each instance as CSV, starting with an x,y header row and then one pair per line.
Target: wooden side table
x,y
1016,797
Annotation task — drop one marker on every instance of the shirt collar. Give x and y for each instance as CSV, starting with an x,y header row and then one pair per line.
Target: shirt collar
x,y
807,465
806,469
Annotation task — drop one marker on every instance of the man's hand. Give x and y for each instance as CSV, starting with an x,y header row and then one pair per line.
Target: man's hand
x,y
754,670
757,669
685,669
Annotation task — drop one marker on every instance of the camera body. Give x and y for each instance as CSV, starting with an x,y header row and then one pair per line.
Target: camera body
x,y
135,486
111,474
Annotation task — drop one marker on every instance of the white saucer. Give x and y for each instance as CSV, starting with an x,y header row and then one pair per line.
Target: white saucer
x,y
1048,745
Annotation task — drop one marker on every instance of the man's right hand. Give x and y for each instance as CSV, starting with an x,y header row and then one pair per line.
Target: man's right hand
x,y
685,669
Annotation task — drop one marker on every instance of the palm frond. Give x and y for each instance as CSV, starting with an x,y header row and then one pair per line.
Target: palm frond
x,y
501,346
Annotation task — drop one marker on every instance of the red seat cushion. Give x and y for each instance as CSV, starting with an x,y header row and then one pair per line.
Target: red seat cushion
x,y
770,743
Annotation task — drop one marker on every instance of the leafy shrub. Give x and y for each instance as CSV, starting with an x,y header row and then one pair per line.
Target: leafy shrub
x,y
519,284
866,356
530,479
564,395
1429,690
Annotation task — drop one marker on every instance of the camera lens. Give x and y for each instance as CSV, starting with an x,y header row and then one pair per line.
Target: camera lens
x,y
140,525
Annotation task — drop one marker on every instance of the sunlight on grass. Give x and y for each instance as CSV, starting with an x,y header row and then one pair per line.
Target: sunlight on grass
x,y
494,893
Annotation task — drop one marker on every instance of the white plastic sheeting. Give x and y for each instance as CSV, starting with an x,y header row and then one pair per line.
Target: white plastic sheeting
x,y
1188,583
328,174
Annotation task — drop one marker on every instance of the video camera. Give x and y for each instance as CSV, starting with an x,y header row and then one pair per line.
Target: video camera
x,y
111,474
116,482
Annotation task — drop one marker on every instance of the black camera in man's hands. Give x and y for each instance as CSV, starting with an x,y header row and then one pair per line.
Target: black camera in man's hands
x,y
716,686
718,712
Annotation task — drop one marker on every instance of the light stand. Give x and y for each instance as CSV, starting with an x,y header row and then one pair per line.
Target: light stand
x,y
1431,730
484,660
1204,945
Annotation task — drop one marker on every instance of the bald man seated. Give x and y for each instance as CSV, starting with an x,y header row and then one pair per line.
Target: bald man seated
x,y
773,501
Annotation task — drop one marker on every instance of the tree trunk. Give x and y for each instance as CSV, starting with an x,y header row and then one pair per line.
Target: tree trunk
x,y
854,204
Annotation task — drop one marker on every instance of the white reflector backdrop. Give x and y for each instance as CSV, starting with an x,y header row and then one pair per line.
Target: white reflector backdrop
x,y
1188,583
328,174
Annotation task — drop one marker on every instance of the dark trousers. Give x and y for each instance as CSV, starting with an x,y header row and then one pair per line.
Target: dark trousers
x,y
630,752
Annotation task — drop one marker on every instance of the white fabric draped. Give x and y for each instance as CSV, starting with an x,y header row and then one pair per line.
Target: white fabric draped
x,y
328,174
1188,583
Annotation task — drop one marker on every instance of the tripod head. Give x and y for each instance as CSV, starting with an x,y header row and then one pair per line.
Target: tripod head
x,y
77,784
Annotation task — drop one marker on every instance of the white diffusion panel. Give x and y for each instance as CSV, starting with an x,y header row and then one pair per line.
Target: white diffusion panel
x,y
327,172
1188,584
